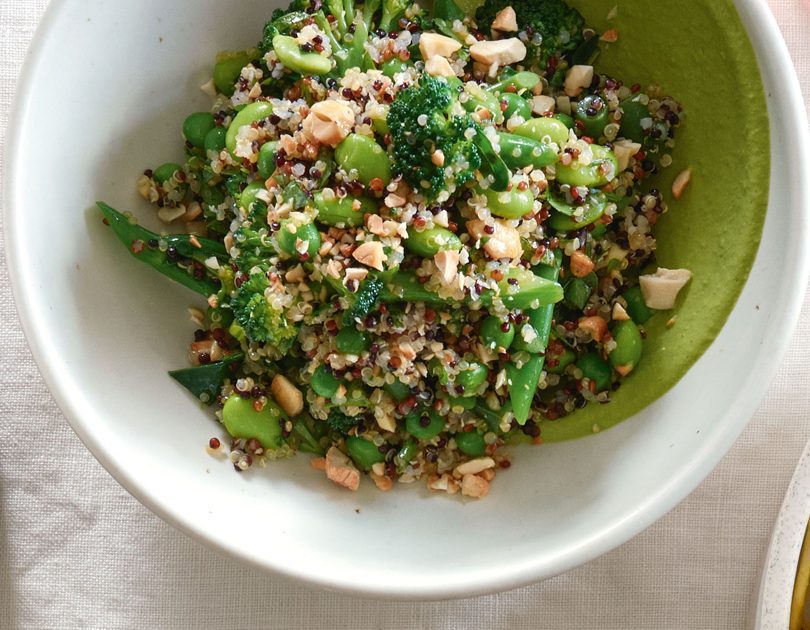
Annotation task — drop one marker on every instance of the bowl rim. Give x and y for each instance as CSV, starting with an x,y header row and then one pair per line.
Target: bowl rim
x,y
772,54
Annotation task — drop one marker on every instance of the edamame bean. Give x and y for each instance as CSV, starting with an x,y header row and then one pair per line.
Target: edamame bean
x,y
516,106
215,140
510,204
597,369
249,195
430,242
242,421
228,68
544,129
349,340
165,171
497,334
594,114
289,234
363,452
472,379
324,383
637,309
247,116
520,151
196,127
599,172
267,159
471,443
627,353
341,212
424,425
292,57
366,157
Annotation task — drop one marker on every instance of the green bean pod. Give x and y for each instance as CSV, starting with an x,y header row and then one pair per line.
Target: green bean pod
x,y
516,106
424,425
242,421
289,234
472,380
593,114
637,308
494,336
470,443
597,369
431,241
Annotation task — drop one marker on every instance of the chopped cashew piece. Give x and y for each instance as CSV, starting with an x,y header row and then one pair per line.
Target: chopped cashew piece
x,y
581,264
287,395
504,242
619,313
577,79
435,45
356,273
340,469
624,150
296,274
382,482
475,466
447,264
595,325
385,420
680,183
501,51
439,67
370,254
328,122
506,21
661,288
474,486
542,104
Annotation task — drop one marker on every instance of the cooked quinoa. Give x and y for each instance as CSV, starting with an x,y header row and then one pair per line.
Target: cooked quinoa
x,y
419,238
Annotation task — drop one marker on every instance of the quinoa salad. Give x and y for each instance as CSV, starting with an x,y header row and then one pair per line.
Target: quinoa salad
x,y
419,236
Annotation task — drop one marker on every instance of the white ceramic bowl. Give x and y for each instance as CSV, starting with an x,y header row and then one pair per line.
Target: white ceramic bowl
x,y
771,607
100,97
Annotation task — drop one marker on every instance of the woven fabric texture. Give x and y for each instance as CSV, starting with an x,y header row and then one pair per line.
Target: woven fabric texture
x,y
76,551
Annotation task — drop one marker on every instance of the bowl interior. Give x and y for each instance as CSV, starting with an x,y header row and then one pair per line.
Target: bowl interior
x,y
108,84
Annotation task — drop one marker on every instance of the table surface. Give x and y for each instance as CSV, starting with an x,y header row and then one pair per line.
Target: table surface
x,y
76,551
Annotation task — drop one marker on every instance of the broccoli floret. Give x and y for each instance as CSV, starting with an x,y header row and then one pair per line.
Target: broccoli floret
x,y
365,300
392,10
260,321
552,27
340,422
254,247
421,124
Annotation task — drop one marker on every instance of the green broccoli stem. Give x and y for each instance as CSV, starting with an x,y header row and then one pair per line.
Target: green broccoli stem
x,y
182,260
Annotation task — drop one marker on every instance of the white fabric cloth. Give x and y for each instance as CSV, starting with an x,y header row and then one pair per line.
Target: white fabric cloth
x,y
76,551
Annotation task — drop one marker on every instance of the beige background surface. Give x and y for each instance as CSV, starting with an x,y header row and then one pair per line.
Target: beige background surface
x,y
76,551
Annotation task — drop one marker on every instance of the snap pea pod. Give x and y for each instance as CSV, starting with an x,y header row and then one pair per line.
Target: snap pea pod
x,y
242,421
471,443
523,383
516,106
340,212
247,116
492,164
424,425
180,246
430,242
593,115
291,56
525,379
520,80
405,454
206,380
521,151
568,217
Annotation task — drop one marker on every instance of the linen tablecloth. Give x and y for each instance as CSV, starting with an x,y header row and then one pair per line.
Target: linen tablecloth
x,y
76,551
